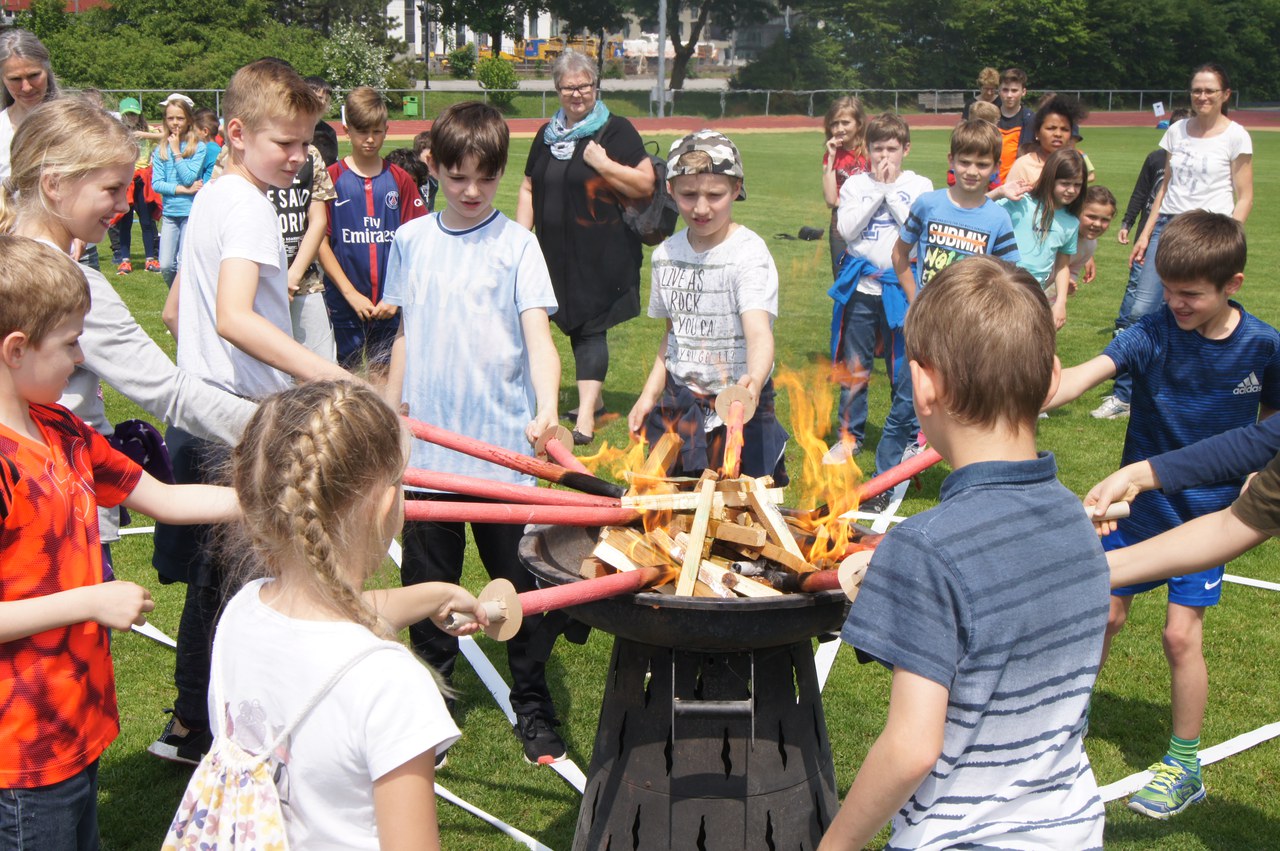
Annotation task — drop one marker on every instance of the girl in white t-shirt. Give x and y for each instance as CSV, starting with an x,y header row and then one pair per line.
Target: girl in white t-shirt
x,y
1210,167
318,477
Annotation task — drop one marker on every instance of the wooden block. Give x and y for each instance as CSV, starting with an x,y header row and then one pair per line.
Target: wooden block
x,y
709,474
702,589
689,501
774,524
786,558
593,568
627,549
750,536
693,552
713,576
746,586
661,455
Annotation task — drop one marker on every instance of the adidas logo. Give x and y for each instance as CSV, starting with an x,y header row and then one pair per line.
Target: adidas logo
x,y
1249,385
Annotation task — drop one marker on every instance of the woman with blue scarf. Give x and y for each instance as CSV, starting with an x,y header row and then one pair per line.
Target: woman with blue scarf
x,y
584,164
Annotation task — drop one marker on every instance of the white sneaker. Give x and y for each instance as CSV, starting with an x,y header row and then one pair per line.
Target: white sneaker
x,y
841,452
1111,409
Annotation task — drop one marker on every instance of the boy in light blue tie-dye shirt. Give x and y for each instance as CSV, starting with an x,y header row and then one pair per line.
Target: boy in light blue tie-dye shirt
x,y
474,355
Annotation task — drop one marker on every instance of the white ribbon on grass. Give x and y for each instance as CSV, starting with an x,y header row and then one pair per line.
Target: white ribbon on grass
x,y
1208,756
519,836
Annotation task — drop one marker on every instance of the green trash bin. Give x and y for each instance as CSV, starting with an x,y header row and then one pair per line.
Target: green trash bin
x,y
411,106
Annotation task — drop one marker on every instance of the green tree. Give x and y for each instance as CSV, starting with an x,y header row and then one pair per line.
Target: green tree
x,y
494,18
351,59
809,59
726,13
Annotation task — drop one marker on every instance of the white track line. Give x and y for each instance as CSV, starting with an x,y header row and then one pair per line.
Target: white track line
x,y
1252,583
1230,747
519,836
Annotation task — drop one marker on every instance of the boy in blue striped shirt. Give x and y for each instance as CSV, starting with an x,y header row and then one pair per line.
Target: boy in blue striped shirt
x,y
1201,365
993,638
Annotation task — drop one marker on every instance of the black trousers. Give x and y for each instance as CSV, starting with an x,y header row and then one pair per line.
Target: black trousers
x,y
433,552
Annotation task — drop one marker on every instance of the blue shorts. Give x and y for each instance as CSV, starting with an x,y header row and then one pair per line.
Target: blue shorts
x,y
1194,589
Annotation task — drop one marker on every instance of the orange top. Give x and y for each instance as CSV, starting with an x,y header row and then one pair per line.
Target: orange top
x,y
57,688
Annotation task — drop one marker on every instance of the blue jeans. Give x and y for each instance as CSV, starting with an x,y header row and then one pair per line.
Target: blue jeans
x,y
863,317
171,233
59,817
1148,295
146,222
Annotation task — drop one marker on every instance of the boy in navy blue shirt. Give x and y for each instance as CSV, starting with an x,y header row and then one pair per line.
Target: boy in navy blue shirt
x,y
1200,366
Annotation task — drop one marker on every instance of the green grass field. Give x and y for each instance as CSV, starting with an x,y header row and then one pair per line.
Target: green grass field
x,y
1130,720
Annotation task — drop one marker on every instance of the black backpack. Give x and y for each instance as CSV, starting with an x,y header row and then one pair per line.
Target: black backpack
x,y
653,220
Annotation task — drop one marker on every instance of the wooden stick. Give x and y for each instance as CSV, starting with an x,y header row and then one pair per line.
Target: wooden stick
x,y
689,501
693,552
520,515
472,486
743,585
774,525
661,455
512,460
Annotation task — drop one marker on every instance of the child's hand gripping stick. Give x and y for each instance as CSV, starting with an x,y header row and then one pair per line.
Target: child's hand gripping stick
x,y
735,407
555,443
507,609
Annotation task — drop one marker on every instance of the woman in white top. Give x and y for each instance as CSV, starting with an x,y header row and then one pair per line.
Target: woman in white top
x,y
1209,167
28,82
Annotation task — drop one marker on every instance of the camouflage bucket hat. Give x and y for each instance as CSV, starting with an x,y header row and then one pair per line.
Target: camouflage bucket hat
x,y
724,155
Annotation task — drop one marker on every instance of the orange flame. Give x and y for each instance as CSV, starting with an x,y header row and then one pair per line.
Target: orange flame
x,y
621,464
812,395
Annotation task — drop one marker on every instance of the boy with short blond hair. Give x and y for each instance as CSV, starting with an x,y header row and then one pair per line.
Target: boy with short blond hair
x,y
1201,365
474,354
56,609
869,301
234,331
717,287
372,199
993,654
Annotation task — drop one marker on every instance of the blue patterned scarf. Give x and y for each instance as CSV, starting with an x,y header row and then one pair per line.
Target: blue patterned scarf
x,y
563,140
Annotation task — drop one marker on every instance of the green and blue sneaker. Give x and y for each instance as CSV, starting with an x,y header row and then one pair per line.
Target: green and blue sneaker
x,y
1172,790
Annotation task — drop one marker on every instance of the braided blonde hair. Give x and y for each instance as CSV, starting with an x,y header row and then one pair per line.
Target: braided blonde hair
x,y
309,472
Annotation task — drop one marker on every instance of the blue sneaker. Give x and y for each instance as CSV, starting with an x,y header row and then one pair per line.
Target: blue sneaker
x,y
1172,790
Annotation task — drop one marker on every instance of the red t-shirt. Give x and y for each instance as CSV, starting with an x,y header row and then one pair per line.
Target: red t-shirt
x,y
848,163
57,688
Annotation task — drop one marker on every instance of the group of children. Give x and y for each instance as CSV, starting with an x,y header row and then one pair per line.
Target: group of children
x,y
996,655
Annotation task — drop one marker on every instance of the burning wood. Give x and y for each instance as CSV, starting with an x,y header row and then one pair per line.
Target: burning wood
x,y
726,537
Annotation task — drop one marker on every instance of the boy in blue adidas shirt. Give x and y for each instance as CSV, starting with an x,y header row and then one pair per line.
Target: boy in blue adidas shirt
x,y
994,648
950,224
372,199
1201,366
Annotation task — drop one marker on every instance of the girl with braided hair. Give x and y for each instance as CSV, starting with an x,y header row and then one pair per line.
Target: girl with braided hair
x,y
318,476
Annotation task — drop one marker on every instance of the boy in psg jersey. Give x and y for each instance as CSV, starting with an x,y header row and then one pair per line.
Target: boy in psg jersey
x,y
373,199
1201,365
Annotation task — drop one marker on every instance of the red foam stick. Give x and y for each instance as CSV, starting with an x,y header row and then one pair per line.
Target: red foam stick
x,y
555,443
520,515
897,475
507,609
513,460
735,407
502,491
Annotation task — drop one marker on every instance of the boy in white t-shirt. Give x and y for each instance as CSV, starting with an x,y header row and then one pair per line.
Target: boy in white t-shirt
x,y
235,332
869,302
716,285
474,355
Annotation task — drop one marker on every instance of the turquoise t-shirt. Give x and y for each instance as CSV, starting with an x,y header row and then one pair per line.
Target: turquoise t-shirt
x,y
1037,250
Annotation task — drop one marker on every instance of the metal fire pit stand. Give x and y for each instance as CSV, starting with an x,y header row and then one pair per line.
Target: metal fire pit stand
x,y
712,734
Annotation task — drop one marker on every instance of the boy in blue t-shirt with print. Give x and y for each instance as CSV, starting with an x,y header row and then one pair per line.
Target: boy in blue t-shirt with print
x,y
944,226
1201,365
949,224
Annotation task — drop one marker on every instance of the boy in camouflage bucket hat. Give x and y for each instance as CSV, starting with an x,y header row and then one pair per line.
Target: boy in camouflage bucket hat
x,y
724,156
717,287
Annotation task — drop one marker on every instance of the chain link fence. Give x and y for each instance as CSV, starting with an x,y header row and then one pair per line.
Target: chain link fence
x,y
634,103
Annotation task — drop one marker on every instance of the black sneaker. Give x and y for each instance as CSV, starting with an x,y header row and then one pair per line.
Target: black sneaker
x,y
189,747
442,759
877,504
542,744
